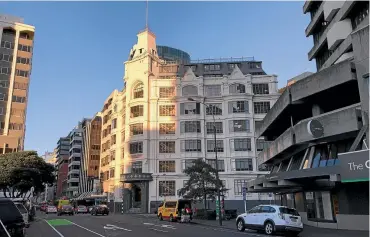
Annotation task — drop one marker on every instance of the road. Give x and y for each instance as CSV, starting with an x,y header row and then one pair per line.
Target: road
x,y
85,225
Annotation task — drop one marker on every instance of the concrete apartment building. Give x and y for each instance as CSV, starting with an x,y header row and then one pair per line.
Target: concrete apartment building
x,y
16,50
319,127
151,131
90,162
62,154
74,160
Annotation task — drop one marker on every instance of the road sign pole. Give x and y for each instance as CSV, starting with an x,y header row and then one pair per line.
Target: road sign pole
x,y
245,198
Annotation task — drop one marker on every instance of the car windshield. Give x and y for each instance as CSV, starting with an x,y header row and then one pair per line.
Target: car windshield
x,y
9,212
289,211
21,208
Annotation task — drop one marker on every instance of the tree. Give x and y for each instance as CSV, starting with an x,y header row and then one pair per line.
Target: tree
x,y
20,171
202,183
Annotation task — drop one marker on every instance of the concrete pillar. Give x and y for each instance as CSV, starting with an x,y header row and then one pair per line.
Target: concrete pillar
x,y
126,204
316,110
144,197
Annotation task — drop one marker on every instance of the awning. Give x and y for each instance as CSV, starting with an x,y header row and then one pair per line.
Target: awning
x,y
84,195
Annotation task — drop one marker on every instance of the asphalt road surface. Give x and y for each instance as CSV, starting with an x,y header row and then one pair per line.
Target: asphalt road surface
x,y
85,225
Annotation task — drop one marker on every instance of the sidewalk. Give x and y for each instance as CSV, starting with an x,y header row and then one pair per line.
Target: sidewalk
x,y
308,231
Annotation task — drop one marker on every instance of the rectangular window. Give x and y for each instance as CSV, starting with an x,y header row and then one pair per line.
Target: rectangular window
x,y
261,107
187,163
221,165
243,164
4,84
137,167
7,45
319,205
214,109
167,166
238,107
113,139
24,48
213,90
239,126
189,108
167,147
2,111
212,67
166,92
21,73
190,127
111,173
167,128
15,126
261,144
191,146
238,186
6,57
114,123
211,127
242,144
167,110
20,86
261,89
167,188
137,111
136,147
23,60
5,70
136,129
17,99
211,146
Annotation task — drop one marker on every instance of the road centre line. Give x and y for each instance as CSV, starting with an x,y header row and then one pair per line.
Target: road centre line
x,y
159,230
162,226
88,229
117,227
54,229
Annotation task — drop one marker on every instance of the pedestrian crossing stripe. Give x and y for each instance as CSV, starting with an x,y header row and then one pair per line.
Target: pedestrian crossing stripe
x,y
59,222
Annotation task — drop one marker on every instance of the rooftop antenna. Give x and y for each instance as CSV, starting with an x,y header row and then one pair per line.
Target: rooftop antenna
x,y
146,15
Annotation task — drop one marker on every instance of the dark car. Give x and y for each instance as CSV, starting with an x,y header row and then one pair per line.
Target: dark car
x,y
11,218
100,210
65,209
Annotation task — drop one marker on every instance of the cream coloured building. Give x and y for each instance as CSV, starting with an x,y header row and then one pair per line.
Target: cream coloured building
x,y
151,130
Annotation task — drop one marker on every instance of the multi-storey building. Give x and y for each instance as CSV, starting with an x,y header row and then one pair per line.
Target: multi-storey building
x,y
156,131
62,154
90,162
319,127
16,50
74,160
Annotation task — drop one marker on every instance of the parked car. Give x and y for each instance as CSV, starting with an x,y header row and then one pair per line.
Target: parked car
x,y
81,209
65,209
90,208
51,209
100,210
11,218
271,219
22,209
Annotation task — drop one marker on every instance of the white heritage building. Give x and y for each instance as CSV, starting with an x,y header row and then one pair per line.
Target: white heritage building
x,y
163,131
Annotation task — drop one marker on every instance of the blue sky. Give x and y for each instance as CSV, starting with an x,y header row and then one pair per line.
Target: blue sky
x,y
80,48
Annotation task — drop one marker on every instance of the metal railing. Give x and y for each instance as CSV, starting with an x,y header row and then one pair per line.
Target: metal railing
x,y
223,60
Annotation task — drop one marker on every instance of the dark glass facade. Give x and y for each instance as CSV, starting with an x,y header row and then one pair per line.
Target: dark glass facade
x,y
172,54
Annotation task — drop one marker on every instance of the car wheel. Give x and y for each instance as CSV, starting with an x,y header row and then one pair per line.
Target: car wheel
x,y
160,217
269,228
171,218
240,225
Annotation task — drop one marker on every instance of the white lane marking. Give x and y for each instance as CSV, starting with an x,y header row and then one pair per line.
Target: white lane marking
x,y
159,230
162,226
116,227
88,230
54,229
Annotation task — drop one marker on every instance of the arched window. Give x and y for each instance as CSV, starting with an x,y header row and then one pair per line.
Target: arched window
x,y
189,90
139,91
237,88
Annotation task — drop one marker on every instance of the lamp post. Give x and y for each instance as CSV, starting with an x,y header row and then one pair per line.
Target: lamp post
x,y
217,175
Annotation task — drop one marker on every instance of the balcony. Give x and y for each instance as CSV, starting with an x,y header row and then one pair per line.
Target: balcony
x,y
73,180
338,33
74,163
331,8
74,171
337,122
72,189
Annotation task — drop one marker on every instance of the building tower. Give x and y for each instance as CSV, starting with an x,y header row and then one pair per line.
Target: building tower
x,y
16,50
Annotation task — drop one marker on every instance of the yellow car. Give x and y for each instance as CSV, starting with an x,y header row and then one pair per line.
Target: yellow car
x,y
171,210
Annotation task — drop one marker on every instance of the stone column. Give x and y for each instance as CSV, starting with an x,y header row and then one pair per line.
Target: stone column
x,y
126,196
144,197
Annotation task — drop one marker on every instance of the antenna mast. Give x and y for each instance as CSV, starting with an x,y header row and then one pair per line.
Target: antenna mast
x,y
146,15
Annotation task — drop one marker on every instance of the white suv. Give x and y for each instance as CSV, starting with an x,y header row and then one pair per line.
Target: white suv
x,y
271,218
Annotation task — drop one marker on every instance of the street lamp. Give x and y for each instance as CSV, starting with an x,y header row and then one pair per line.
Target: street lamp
x,y
217,175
